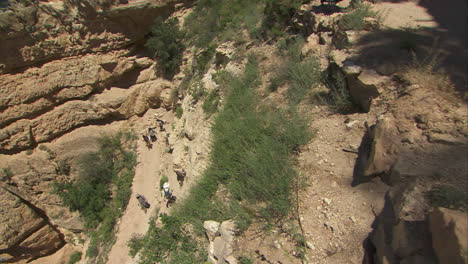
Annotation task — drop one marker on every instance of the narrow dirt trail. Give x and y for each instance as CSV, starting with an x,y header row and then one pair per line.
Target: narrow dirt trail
x,y
152,164
135,220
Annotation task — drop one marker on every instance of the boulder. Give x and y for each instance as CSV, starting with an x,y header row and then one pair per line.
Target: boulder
x,y
43,242
449,230
401,233
221,238
365,87
345,39
211,229
384,147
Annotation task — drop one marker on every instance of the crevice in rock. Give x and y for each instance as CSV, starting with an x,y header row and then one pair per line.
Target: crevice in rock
x,y
19,252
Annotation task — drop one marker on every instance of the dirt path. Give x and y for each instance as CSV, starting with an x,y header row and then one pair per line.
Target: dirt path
x,y
152,163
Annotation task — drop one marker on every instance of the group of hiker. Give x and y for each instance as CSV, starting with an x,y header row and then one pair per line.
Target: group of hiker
x,y
167,194
149,138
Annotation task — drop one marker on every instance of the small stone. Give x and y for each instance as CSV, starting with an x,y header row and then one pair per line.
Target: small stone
x,y
277,244
327,201
351,124
334,184
310,245
353,219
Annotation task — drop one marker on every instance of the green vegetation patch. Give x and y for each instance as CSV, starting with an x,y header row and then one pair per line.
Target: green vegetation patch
x,y
74,258
449,197
225,20
102,190
354,20
249,158
167,46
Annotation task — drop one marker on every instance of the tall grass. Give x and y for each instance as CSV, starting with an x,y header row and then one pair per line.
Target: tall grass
x,y
301,74
225,20
354,20
250,158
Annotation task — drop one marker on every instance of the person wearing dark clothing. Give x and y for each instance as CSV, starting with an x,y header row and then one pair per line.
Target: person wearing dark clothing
x,y
143,202
181,175
161,124
152,134
147,141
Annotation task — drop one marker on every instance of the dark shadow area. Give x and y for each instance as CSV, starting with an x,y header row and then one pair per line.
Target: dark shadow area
x,y
361,161
393,48
327,9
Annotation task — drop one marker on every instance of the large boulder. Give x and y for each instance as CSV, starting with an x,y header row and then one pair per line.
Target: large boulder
x,y
25,233
365,87
449,230
384,147
401,234
221,237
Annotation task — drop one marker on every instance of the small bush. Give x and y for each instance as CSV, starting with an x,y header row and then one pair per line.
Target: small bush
x,y
135,244
111,167
302,77
179,111
75,257
201,61
210,105
7,174
29,152
354,20
449,197
63,168
166,45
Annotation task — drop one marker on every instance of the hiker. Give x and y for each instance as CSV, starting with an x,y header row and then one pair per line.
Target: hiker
x,y
143,202
161,124
152,134
170,149
181,174
147,141
167,194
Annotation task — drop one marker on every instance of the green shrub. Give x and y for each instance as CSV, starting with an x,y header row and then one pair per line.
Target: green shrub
x,y
201,60
449,197
250,157
63,168
135,244
210,105
7,174
111,167
302,77
245,260
179,111
166,45
75,257
354,20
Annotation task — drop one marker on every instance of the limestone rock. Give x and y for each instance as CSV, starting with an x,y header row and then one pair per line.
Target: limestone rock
x,y
345,39
449,230
211,229
401,233
66,34
46,240
14,213
220,248
384,147
365,87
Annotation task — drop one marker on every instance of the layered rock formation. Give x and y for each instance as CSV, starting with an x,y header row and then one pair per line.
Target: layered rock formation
x,y
54,30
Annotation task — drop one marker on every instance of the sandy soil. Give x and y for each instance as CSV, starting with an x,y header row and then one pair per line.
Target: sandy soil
x,y
152,164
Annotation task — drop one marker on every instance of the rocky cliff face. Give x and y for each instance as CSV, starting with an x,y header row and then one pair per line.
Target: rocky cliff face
x,y
87,78
55,30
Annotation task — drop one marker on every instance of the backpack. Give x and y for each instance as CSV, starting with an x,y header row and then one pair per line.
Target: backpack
x,y
168,193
